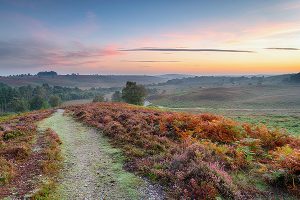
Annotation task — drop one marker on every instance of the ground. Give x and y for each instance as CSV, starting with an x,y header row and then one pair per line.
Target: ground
x,y
93,169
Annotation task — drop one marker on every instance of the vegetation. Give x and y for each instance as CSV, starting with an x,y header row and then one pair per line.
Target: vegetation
x,y
290,123
295,78
81,81
20,146
200,156
54,101
47,74
230,97
99,98
117,97
51,166
133,93
33,98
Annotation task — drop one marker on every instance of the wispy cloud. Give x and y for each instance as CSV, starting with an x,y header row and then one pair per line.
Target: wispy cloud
x,y
39,52
280,48
189,50
152,61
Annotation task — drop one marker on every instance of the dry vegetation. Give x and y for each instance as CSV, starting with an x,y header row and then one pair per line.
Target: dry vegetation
x,y
200,156
25,154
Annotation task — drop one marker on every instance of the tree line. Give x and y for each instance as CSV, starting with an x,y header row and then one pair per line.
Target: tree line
x,y
26,98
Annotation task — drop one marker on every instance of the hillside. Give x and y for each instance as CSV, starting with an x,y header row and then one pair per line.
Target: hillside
x,y
81,81
225,81
242,97
199,156
190,156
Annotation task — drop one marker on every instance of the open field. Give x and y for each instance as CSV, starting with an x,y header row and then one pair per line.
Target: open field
x,y
236,97
76,102
285,119
277,106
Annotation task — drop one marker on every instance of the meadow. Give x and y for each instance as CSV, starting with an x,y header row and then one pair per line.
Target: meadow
x,y
276,106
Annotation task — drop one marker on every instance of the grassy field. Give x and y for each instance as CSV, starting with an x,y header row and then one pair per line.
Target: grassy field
x,y
76,102
286,120
289,123
275,106
242,97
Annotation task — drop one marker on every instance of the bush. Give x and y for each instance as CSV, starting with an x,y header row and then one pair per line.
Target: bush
x,y
54,101
6,171
99,98
116,97
197,156
133,93
37,103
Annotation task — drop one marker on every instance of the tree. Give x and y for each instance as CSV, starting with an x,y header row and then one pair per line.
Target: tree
x,y
133,93
54,101
37,103
99,98
19,105
47,74
295,78
116,97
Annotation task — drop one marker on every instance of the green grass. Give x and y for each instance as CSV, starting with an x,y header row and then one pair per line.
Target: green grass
x,y
273,119
289,123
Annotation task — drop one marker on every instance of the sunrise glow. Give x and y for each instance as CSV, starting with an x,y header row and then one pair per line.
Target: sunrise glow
x,y
127,37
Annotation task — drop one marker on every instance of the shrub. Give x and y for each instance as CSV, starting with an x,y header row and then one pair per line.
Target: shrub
x,y
99,98
196,156
54,101
12,134
6,171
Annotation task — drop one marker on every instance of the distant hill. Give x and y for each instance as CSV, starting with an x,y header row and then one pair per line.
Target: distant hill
x,y
175,76
81,81
213,81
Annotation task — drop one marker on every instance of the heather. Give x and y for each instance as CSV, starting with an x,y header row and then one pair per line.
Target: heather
x,y
26,153
200,156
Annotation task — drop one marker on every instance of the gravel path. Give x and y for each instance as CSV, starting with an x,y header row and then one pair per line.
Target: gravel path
x,y
93,168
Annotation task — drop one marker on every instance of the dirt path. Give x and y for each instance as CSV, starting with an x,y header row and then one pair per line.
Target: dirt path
x,y
93,168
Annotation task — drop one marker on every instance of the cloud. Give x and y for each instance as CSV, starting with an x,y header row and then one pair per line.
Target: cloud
x,y
152,61
188,50
280,48
40,52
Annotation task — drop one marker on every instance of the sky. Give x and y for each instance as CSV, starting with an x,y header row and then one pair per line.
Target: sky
x,y
212,37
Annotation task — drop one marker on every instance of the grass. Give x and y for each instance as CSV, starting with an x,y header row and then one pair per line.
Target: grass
x,y
286,122
250,97
6,171
51,166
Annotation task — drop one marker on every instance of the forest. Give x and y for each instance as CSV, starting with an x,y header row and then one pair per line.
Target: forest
x,y
25,98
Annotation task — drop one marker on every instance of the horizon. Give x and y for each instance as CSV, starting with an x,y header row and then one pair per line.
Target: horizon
x,y
150,38
164,74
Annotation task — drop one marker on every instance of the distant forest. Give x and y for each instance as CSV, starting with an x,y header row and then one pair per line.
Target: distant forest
x,y
25,98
